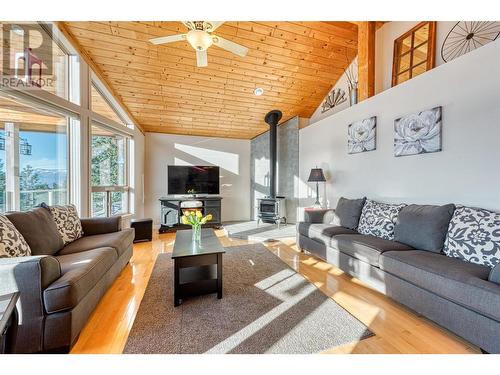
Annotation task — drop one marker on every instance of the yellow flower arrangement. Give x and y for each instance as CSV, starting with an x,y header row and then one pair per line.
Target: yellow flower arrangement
x,y
195,218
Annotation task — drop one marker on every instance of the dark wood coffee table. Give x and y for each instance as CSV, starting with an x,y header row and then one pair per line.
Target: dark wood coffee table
x,y
197,266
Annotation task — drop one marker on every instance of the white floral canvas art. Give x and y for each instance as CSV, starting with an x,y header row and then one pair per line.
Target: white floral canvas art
x,y
362,135
418,133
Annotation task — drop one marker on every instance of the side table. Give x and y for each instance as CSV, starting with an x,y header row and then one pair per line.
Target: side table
x,y
8,321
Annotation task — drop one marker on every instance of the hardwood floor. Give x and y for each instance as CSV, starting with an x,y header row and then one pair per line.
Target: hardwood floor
x,y
397,329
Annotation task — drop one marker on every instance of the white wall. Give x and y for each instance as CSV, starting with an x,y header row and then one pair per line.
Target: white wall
x,y
342,83
231,155
467,171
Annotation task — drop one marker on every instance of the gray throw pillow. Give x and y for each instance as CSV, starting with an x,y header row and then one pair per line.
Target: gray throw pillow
x,y
39,230
423,227
495,274
348,212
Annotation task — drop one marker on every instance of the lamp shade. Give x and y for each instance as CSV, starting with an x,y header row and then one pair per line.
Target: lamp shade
x,y
316,175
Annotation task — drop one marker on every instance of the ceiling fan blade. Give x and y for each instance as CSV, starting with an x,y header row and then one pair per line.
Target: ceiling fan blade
x,y
201,59
188,24
230,46
168,39
213,25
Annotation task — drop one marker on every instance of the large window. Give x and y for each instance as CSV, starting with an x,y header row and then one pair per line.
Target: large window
x,y
108,172
33,156
44,149
100,105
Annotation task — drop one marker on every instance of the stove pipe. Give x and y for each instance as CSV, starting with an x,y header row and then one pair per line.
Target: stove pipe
x,y
272,119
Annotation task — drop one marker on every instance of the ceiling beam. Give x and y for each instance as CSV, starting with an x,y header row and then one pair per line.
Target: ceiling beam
x,y
366,59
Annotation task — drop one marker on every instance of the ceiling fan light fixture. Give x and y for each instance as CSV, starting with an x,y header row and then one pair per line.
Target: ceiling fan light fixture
x,y
199,40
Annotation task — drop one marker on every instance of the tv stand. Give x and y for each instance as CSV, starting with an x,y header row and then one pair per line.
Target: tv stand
x,y
171,211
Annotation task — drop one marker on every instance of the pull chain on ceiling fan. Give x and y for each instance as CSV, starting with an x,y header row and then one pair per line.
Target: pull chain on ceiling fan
x,y
200,37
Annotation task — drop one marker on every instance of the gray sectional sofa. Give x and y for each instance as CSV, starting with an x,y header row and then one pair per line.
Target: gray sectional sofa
x,y
461,296
61,285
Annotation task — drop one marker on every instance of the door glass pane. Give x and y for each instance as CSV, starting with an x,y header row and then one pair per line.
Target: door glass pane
x,y
420,54
421,35
404,62
406,44
34,159
99,204
118,202
404,76
100,105
108,172
108,158
419,69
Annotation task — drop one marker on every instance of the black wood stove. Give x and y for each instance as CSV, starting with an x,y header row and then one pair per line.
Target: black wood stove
x,y
272,209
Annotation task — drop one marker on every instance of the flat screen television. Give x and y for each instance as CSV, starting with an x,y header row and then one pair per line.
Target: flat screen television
x,y
196,179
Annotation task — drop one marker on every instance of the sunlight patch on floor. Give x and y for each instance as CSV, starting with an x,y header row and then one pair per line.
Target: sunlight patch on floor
x,y
370,311
270,285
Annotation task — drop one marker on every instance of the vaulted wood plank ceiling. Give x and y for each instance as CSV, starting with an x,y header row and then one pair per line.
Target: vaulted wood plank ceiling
x,y
296,63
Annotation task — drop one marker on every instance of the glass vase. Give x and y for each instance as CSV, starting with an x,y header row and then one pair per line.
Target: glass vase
x,y
196,233
353,96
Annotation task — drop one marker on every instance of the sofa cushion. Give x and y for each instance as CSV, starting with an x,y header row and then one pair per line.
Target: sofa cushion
x,y
322,232
39,230
378,219
461,282
100,225
120,241
12,242
364,247
348,212
494,275
80,272
67,222
318,215
423,227
474,235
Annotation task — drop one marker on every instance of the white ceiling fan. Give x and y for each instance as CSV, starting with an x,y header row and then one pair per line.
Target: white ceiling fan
x,y
200,37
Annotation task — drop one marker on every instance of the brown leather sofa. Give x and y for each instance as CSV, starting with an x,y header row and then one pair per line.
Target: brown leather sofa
x,y
61,285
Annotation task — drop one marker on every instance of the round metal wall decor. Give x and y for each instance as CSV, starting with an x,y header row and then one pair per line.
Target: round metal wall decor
x,y
466,36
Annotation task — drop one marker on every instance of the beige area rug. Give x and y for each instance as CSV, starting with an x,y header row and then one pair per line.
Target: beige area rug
x,y
267,307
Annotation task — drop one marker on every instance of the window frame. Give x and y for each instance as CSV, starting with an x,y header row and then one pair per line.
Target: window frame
x,y
397,55
108,189
24,98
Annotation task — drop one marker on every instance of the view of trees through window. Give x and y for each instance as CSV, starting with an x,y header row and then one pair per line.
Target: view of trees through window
x,y
33,157
108,178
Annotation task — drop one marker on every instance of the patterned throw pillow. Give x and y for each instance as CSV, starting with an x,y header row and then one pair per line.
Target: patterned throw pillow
x,y
67,221
474,235
12,243
378,219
